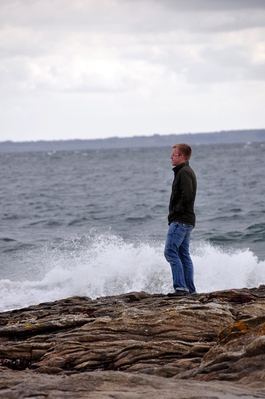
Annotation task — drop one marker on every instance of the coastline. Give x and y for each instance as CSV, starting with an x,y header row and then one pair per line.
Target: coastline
x,y
137,344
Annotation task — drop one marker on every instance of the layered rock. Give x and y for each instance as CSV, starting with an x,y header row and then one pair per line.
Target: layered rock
x,y
210,337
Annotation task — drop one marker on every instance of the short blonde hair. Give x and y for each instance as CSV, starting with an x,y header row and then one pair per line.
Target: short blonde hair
x,y
184,149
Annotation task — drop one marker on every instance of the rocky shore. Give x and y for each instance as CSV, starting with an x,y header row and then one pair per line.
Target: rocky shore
x,y
136,345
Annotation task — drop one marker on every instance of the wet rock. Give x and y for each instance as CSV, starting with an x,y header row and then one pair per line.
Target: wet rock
x,y
218,336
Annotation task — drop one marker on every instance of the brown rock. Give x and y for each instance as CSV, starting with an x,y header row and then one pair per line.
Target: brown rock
x,y
136,338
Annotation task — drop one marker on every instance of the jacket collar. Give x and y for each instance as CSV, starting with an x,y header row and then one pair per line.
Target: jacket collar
x,y
177,168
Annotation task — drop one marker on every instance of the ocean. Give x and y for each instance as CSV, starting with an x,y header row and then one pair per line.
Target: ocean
x,y
94,222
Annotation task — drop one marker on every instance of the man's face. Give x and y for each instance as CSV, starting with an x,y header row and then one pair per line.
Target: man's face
x,y
176,157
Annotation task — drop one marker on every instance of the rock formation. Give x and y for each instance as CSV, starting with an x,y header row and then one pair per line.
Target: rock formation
x,y
136,345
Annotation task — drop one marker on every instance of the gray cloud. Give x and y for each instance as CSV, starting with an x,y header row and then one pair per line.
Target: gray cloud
x,y
212,5
136,16
130,55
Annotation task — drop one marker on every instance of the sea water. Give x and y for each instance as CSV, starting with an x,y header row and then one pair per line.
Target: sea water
x,y
94,222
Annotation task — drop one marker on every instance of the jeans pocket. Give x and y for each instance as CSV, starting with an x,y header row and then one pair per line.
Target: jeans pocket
x,y
185,229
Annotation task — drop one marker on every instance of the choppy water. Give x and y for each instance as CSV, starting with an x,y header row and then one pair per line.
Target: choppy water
x,y
94,223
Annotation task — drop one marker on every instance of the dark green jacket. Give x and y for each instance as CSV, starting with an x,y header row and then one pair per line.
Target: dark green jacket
x,y
184,187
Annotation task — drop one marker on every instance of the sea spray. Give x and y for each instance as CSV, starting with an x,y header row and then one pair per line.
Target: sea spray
x,y
220,268
99,264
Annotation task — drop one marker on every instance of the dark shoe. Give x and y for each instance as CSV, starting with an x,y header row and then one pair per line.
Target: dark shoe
x,y
193,293
178,293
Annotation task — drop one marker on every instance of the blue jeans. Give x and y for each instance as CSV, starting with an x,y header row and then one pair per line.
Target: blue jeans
x,y
177,254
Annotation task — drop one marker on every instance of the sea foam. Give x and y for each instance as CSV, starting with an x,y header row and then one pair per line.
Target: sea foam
x,y
105,264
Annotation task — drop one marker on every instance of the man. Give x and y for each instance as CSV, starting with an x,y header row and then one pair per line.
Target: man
x,y
181,220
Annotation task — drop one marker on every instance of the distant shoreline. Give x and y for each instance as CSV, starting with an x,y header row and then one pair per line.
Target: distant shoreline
x,y
156,140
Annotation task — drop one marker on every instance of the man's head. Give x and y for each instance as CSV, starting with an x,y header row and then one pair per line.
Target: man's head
x,y
180,154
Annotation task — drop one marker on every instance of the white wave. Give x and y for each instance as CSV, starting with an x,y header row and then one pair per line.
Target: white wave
x,y
101,265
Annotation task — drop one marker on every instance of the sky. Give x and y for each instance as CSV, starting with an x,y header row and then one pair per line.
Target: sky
x,y
87,69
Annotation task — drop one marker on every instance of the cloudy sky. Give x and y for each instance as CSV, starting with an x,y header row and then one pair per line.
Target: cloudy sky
x,y
102,68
